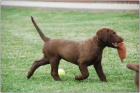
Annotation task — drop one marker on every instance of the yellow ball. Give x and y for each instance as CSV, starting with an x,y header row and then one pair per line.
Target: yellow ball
x,y
61,72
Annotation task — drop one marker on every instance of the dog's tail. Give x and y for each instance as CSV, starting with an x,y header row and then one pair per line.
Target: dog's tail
x,y
44,38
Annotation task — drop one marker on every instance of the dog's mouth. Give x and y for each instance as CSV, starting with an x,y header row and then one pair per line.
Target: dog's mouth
x,y
115,44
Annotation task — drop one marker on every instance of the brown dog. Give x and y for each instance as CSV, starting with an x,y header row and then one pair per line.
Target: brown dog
x,y
135,67
83,54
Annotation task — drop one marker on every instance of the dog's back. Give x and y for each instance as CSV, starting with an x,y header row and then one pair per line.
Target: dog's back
x,y
65,49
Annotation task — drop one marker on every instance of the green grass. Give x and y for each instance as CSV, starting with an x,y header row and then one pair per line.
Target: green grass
x,y
21,45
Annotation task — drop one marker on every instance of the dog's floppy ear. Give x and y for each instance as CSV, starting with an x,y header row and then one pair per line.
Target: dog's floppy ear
x,y
133,66
102,34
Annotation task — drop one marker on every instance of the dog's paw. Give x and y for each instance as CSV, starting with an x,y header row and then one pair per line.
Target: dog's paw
x,y
81,77
59,80
29,75
78,77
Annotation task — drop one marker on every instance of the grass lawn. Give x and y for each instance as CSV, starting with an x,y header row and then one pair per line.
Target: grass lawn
x,y
21,45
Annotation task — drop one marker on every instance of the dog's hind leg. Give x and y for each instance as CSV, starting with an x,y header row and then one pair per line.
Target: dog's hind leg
x,y
54,68
37,64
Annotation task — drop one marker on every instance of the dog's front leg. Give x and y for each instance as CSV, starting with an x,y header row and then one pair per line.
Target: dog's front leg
x,y
84,72
99,70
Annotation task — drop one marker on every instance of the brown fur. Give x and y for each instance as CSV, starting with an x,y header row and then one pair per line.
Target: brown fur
x,y
135,67
82,53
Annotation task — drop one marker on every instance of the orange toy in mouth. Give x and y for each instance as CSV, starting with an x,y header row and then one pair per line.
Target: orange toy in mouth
x,y
122,51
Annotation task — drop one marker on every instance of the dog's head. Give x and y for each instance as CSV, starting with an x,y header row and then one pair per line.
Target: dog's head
x,y
109,37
